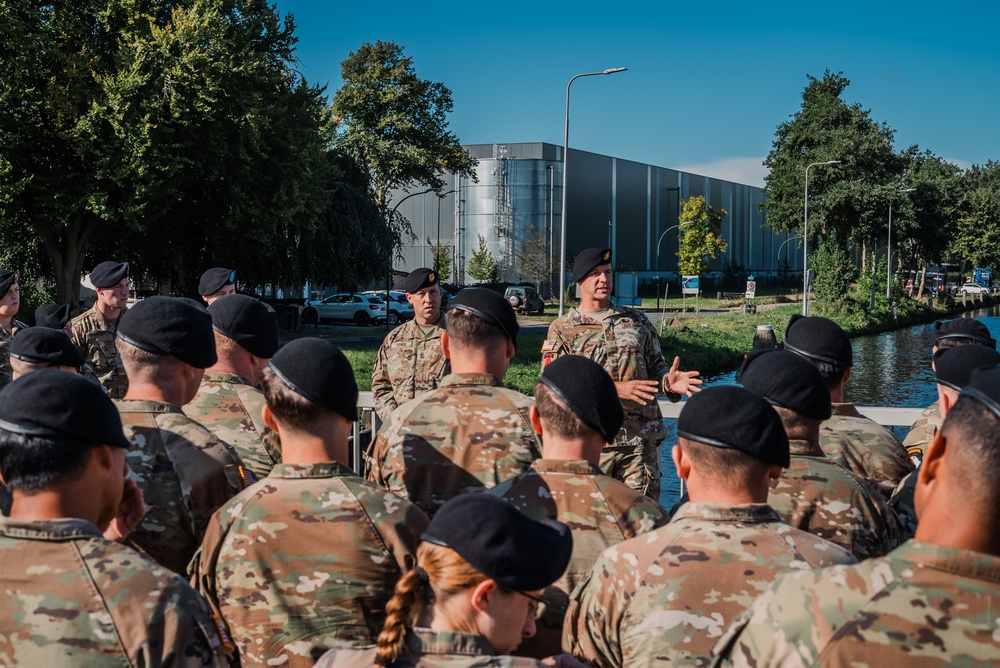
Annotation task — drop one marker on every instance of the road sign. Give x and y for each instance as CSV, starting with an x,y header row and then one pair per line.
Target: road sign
x,y
689,285
751,289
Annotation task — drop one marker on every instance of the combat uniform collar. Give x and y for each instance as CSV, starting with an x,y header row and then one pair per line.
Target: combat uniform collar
x,y
470,379
966,563
427,641
145,406
754,513
56,530
105,322
313,470
574,466
845,408
433,330
802,448
613,311
224,377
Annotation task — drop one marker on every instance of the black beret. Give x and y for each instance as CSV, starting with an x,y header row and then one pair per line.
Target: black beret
x,y
501,542
732,417
44,345
52,315
213,280
787,380
584,386
53,404
418,279
108,274
7,279
246,321
489,306
819,339
319,371
169,326
954,366
964,328
587,259
984,387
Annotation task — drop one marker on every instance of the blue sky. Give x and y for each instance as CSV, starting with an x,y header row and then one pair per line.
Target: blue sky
x,y
707,84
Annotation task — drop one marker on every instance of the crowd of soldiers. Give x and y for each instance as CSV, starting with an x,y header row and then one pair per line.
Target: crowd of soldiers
x,y
177,492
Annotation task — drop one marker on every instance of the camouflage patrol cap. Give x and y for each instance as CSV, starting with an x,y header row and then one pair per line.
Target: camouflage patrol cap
x,y
246,321
819,339
953,367
168,326
317,370
984,387
501,542
52,315
735,418
489,306
53,404
787,380
587,259
214,279
587,389
44,345
108,274
418,279
964,328
7,279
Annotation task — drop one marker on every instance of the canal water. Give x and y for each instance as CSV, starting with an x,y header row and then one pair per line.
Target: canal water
x,y
890,369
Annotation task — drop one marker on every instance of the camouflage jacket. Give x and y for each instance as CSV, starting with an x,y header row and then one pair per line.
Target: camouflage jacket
x,y
599,510
822,497
903,505
437,649
922,432
230,408
670,594
94,336
865,448
72,598
5,339
921,605
185,474
308,556
409,363
625,343
469,433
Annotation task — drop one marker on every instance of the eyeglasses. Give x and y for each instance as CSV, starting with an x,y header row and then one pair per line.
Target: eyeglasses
x,y
537,606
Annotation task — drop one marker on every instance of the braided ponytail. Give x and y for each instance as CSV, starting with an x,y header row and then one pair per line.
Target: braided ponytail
x,y
398,613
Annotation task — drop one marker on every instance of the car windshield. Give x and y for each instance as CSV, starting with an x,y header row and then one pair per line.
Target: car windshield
x,y
375,300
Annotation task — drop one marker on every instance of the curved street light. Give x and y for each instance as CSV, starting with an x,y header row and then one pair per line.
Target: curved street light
x,y
562,221
805,239
388,277
673,227
888,246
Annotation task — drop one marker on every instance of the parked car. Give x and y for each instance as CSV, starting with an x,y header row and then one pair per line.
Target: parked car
x,y
358,308
974,289
400,309
524,299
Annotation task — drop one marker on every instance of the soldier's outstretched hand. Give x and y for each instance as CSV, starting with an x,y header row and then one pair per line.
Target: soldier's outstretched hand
x,y
683,382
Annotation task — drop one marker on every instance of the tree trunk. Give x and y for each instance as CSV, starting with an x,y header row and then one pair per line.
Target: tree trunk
x,y
923,275
67,254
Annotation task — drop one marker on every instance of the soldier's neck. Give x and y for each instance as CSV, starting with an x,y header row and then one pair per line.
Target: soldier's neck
x,y
7,322
593,304
327,443
165,393
52,505
236,367
578,449
107,311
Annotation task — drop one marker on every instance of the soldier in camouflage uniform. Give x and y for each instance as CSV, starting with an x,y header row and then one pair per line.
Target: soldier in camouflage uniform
x,y
184,471
94,330
624,342
42,348
667,596
69,596
469,433
228,401
411,361
814,493
10,301
932,601
216,283
310,555
576,414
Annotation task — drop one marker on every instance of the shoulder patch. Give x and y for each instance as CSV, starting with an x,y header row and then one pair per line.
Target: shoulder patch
x,y
548,344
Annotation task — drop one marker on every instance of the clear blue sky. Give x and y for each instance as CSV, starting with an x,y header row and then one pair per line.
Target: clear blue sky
x,y
708,82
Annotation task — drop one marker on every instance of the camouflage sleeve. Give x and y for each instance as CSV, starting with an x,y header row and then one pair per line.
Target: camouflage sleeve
x,y
553,345
78,339
596,609
656,366
385,401
205,560
375,463
400,523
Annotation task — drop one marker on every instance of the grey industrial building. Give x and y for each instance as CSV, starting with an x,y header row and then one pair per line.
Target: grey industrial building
x,y
626,205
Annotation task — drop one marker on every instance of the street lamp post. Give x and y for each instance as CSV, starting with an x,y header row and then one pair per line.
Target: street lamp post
x,y
888,247
562,220
388,277
673,227
805,239
437,251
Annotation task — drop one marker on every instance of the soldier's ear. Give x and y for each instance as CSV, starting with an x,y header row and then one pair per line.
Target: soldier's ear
x,y
446,345
535,419
268,417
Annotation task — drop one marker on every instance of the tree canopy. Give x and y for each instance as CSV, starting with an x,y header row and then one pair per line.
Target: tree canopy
x,y
700,239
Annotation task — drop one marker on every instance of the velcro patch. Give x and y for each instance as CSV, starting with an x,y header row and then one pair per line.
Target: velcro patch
x,y
548,344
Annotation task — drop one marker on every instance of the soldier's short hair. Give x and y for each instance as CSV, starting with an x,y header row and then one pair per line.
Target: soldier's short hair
x,y
288,406
473,332
225,346
973,434
22,368
796,425
833,374
955,342
154,368
559,418
32,464
728,467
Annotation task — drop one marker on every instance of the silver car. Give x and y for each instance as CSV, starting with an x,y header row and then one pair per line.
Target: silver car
x,y
358,308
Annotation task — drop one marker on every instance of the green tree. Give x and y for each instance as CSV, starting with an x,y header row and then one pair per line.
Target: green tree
x,y
483,266
700,240
395,123
834,271
441,254
975,236
533,257
845,200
